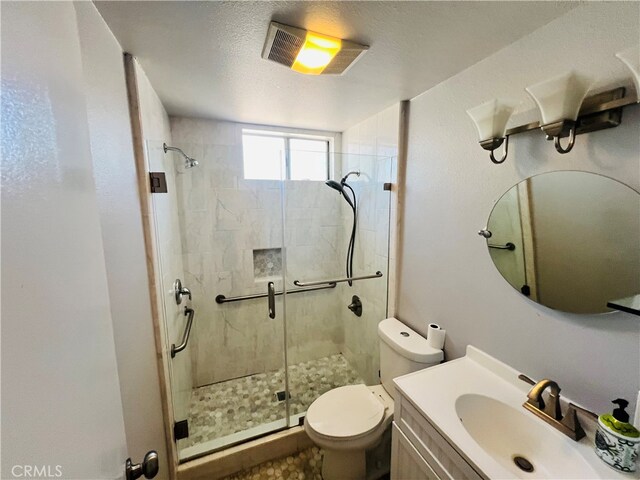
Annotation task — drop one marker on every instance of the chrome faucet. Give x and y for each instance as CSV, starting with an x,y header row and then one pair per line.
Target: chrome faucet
x,y
552,413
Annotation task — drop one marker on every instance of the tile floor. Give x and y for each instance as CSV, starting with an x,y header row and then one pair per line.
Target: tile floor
x,y
235,405
305,465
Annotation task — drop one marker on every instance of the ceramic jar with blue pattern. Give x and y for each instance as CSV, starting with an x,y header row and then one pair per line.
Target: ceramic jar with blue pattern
x,y
617,441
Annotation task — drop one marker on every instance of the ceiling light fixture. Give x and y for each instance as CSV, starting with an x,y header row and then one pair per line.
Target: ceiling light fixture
x,y
316,53
308,52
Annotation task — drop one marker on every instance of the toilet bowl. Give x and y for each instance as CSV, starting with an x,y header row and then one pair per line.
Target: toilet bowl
x,y
347,422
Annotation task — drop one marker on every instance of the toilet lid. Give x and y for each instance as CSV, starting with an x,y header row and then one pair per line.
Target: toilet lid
x,y
345,412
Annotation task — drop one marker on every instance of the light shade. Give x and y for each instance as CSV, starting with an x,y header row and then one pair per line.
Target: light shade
x,y
560,98
316,53
491,118
631,58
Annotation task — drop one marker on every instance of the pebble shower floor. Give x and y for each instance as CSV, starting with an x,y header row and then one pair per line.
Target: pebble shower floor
x,y
235,405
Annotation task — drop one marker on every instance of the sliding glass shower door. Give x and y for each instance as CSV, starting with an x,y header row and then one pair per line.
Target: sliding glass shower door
x,y
222,235
245,230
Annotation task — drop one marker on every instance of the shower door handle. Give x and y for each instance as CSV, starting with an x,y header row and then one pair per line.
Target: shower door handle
x,y
271,293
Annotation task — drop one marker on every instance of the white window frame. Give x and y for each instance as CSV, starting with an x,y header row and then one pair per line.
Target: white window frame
x,y
287,136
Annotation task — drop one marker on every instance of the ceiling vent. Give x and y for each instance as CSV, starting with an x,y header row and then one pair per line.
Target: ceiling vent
x,y
285,45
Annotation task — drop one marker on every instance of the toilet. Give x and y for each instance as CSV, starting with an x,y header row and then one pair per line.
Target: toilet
x,y
352,423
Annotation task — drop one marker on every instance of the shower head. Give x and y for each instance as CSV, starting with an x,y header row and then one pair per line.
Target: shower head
x,y
339,187
188,161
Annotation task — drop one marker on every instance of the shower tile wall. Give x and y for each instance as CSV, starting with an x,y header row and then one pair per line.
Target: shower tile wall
x,y
371,147
224,218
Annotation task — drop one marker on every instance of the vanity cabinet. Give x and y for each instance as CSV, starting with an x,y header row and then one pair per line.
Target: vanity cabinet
x,y
406,461
419,451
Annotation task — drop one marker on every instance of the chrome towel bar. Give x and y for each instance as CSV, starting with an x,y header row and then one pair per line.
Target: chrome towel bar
x,y
298,283
506,246
188,312
222,299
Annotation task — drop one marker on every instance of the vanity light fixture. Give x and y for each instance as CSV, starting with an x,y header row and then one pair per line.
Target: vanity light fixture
x,y
631,58
309,52
564,107
491,120
559,100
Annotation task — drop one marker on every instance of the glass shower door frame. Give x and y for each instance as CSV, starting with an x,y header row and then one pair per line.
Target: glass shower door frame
x,y
245,321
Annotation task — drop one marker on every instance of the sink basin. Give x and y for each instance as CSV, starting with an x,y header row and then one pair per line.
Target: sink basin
x,y
520,442
475,404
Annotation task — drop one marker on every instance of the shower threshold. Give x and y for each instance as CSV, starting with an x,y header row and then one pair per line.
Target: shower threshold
x,y
222,443
227,441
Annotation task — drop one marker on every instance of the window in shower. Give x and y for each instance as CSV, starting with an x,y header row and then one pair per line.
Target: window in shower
x,y
304,158
262,157
308,159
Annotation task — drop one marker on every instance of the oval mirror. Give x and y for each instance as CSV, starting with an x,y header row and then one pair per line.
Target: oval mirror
x,y
569,240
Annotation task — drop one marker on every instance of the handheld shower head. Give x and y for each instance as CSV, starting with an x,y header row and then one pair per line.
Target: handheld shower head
x,y
335,185
339,187
351,200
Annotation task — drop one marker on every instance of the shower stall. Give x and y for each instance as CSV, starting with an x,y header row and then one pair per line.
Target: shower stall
x,y
261,250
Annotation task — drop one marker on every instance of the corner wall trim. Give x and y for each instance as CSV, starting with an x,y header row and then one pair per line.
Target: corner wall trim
x,y
145,208
403,145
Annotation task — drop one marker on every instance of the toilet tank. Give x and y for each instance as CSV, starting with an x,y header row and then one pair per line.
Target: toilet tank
x,y
402,351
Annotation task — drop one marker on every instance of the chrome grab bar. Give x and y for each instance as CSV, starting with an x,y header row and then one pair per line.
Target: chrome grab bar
x,y
222,299
506,246
298,283
189,312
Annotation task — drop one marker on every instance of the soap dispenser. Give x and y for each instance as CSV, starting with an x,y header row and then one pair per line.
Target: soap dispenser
x,y
617,441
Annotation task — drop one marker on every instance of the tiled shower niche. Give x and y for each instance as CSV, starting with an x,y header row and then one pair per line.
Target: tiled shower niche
x,y
267,264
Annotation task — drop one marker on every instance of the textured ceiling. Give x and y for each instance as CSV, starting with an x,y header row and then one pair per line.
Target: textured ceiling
x,y
204,58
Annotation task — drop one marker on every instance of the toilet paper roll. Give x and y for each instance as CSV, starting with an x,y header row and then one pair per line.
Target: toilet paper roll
x,y
435,336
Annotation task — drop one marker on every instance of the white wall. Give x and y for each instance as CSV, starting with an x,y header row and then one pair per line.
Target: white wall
x,y
447,274
61,400
371,147
121,222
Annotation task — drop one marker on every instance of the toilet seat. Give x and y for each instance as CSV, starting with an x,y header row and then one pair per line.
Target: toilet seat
x,y
345,413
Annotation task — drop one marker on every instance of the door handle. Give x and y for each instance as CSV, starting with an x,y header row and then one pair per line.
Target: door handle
x,y
271,293
180,291
149,467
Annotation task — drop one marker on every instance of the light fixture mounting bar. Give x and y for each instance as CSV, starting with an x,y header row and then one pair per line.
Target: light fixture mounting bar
x,y
609,101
